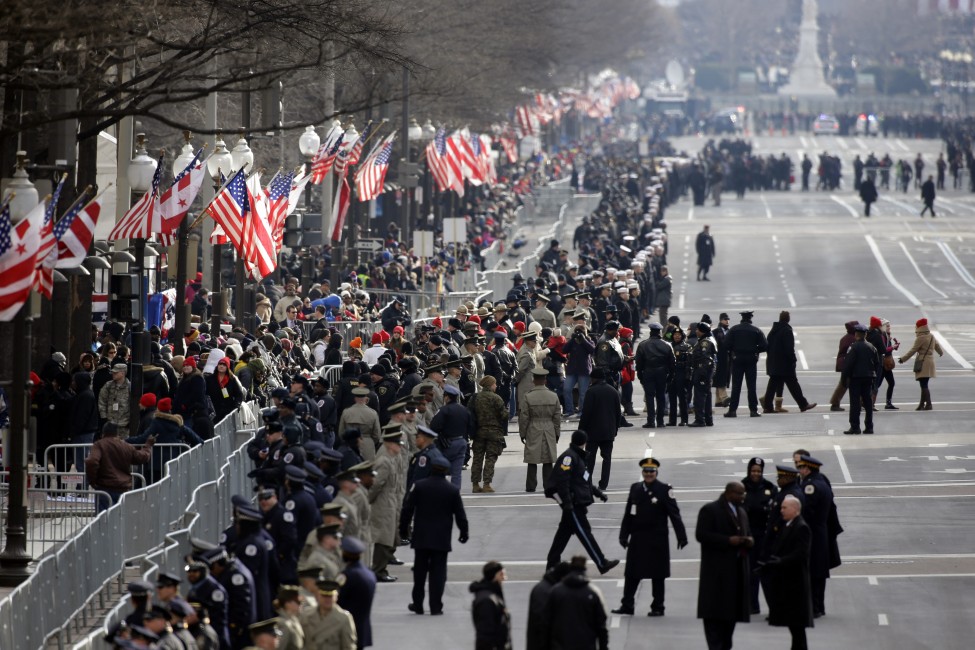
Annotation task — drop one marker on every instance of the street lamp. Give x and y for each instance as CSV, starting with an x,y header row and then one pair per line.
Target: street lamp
x,y
221,162
309,142
243,158
181,162
14,560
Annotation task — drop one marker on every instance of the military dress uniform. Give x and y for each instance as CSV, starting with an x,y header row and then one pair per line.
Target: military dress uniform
x,y
644,534
331,629
538,426
366,420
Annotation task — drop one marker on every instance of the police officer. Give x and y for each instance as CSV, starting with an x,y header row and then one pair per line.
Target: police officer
x,y
702,371
269,473
259,443
255,549
745,343
156,620
421,465
199,625
787,480
644,535
386,388
816,510
179,611
432,505
609,353
571,486
140,594
238,583
280,525
300,502
205,590
655,363
360,416
357,593
454,425
263,634
760,496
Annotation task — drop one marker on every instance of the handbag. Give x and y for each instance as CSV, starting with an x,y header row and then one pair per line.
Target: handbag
x,y
889,363
919,361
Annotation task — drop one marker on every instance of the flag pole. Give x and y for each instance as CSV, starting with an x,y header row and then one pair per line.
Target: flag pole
x,y
78,200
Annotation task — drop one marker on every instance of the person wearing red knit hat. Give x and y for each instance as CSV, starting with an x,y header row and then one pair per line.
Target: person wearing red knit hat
x,y
924,370
875,337
147,409
377,349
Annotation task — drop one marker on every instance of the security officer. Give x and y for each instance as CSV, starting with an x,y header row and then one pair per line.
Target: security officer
x,y
609,353
357,593
280,525
271,468
300,502
140,594
644,535
421,465
327,625
255,549
259,443
432,506
179,611
200,626
156,620
745,343
263,634
314,484
312,428
386,388
205,590
360,416
787,480
655,363
542,314
571,486
238,583
760,496
454,426
816,509
702,371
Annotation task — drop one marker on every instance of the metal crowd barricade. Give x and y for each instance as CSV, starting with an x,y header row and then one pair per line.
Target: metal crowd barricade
x,y
73,455
331,374
86,569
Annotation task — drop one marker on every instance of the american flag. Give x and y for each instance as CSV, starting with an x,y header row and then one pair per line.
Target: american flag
x,y
258,245
143,218
356,152
437,160
371,175
341,160
74,233
326,154
526,118
461,151
176,201
229,208
278,191
47,255
18,256
510,149
340,206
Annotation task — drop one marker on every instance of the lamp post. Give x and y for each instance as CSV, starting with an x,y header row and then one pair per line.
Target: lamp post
x,y
184,158
14,560
221,161
242,157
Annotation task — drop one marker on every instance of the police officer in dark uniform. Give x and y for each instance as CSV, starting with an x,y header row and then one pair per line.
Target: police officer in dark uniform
x,y
759,498
722,370
140,595
816,510
702,371
255,549
259,443
312,429
609,353
269,456
655,363
386,388
205,589
787,480
421,465
238,583
745,343
571,486
314,484
300,502
280,525
644,535
466,381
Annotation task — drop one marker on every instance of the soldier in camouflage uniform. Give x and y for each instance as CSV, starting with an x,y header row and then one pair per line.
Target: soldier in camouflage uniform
x,y
491,424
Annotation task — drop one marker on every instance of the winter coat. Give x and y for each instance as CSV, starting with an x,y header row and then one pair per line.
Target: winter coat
x,y
191,395
224,406
539,421
432,506
845,344
84,408
537,602
492,622
109,465
925,345
644,529
523,375
723,590
385,496
490,415
154,381
580,352
664,290
780,359
786,577
169,430
113,403
601,412
575,618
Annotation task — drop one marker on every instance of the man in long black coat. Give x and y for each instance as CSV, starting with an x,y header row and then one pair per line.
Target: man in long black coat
x,y
601,418
436,504
725,537
786,574
644,535
818,504
704,245
538,601
722,370
780,366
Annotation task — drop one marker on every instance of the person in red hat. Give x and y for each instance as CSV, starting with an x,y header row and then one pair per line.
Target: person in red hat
x,y
924,370
377,349
875,337
190,398
147,410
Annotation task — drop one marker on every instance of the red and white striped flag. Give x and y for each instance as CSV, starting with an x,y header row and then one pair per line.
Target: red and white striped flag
x,y
510,149
19,246
461,150
340,206
143,218
74,232
487,160
297,189
258,246
228,209
525,116
437,160
326,154
177,200
278,191
372,173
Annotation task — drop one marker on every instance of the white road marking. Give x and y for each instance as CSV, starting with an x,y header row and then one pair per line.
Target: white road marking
x,y
843,143
842,462
775,238
680,302
830,432
792,300
906,206
861,143
690,214
615,622
768,211
846,205
882,620
888,274
951,351
802,357
805,143
872,581
900,143
921,275
956,263
959,204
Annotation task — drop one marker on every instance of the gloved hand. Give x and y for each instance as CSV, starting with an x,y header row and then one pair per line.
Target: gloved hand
x,y
603,497
524,440
624,542
681,543
463,539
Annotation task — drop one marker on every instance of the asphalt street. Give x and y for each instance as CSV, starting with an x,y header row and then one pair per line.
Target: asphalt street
x,y
906,495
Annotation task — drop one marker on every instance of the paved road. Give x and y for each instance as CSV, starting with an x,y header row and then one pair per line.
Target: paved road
x,y
906,495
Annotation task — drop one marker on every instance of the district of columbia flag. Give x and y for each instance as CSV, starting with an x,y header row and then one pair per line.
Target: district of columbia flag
x,y
74,232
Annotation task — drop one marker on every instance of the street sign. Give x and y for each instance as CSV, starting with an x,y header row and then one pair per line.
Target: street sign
x,y
368,244
423,243
454,230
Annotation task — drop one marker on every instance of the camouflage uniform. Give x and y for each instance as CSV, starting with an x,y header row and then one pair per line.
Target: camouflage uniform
x,y
491,416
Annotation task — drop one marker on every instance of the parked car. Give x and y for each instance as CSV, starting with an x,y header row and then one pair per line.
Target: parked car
x,y
826,125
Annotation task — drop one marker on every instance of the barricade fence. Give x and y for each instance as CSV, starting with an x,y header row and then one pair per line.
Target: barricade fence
x,y
68,456
69,585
